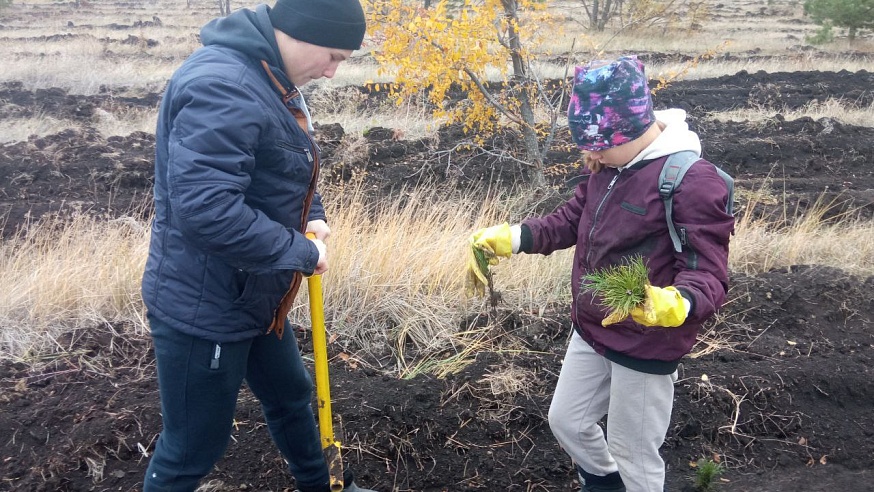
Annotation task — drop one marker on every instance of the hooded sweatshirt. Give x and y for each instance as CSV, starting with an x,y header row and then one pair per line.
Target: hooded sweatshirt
x,y
617,214
232,169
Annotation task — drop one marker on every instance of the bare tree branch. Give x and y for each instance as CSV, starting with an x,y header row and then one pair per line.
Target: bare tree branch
x,y
490,98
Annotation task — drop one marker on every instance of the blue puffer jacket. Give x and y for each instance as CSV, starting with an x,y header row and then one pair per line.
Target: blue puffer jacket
x,y
232,169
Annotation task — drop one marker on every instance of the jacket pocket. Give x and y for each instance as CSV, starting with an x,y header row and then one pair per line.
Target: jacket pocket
x,y
633,208
296,148
279,162
265,290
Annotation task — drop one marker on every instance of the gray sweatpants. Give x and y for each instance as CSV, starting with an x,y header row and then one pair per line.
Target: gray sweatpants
x,y
639,407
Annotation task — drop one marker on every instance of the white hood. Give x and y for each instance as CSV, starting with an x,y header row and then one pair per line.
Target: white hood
x,y
675,137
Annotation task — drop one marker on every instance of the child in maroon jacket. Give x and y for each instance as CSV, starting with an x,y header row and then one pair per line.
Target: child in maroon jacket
x,y
627,368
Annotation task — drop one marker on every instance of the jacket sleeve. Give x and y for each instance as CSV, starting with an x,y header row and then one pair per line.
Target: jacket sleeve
x,y
699,208
213,138
558,230
317,210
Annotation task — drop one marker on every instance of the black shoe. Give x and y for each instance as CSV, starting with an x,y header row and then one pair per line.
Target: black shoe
x,y
611,482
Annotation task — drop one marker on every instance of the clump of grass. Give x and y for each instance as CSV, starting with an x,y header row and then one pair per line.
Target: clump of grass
x,y
620,287
707,473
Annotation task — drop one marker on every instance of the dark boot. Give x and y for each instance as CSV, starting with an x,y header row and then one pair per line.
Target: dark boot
x,y
596,483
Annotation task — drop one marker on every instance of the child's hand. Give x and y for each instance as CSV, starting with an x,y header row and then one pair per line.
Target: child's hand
x,y
475,280
662,307
494,241
487,246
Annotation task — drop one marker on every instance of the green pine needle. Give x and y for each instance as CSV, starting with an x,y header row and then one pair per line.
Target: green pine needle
x,y
481,261
620,287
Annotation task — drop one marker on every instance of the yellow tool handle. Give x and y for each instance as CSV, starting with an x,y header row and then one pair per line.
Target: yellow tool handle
x,y
330,446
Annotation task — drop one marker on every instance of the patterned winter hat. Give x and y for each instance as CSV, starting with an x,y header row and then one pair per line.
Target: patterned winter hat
x,y
610,104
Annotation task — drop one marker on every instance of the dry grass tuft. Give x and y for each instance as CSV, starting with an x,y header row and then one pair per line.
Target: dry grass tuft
x,y
509,381
395,283
19,129
348,106
351,151
69,274
846,112
724,332
842,241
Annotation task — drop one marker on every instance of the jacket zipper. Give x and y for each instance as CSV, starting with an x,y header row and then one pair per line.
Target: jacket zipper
x,y
598,215
287,94
309,150
295,148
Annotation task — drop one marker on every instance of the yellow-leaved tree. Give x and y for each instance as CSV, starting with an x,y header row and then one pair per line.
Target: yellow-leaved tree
x,y
456,42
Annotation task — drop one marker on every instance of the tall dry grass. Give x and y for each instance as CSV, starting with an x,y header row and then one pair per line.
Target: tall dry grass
x,y
394,292
810,238
63,275
845,111
395,283
395,280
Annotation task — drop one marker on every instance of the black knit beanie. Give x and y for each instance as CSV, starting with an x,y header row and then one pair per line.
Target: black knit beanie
x,y
330,23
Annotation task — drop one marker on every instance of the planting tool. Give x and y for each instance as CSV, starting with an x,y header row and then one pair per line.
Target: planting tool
x,y
330,446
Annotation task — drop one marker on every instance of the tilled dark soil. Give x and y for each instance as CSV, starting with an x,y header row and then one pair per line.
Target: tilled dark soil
x,y
796,162
785,404
787,407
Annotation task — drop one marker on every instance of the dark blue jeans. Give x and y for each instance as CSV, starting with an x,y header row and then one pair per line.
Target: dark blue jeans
x,y
199,382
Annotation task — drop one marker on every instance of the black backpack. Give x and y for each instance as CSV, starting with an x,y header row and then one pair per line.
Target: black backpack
x,y
674,169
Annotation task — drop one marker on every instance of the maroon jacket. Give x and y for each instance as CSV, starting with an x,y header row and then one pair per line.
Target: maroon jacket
x,y
618,214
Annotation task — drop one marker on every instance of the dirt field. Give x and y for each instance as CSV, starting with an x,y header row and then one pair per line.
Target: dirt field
x,y
786,406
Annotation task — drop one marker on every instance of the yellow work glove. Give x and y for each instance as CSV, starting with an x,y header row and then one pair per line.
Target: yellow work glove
x,y
662,307
493,243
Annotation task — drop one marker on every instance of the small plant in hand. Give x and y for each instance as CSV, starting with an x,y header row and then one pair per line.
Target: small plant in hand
x,y
620,287
483,262
707,473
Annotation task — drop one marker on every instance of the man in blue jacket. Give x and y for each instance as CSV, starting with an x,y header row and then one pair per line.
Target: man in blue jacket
x,y
235,176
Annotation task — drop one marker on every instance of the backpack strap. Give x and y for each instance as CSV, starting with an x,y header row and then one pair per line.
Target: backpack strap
x,y
729,183
673,170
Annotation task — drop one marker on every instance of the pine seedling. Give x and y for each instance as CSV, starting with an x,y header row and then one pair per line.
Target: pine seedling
x,y
620,287
707,473
482,262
